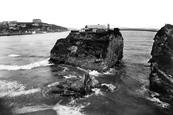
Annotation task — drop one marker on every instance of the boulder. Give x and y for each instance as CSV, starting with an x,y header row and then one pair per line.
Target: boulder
x,y
161,76
76,87
89,50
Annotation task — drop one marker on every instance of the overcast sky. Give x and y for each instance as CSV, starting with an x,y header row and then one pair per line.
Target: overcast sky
x,y
78,13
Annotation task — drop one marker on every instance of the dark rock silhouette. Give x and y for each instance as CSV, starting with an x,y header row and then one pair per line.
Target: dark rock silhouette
x,y
161,77
89,50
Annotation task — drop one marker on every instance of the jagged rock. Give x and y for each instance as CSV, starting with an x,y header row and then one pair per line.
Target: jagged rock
x,y
90,50
76,87
161,77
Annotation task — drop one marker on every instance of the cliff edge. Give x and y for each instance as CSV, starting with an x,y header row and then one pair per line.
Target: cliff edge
x,y
161,77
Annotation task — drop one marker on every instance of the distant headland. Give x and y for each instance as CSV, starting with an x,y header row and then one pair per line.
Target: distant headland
x,y
96,28
8,28
139,29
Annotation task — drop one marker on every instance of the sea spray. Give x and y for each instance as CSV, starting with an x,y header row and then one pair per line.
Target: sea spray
x,y
110,86
72,108
97,91
14,88
13,55
7,87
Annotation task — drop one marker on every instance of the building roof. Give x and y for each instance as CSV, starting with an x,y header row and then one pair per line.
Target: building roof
x,y
96,26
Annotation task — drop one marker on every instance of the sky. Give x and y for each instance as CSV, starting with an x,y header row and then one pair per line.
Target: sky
x,y
78,13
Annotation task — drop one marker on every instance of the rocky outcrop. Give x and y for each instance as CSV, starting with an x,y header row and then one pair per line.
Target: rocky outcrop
x,y
76,87
89,50
161,77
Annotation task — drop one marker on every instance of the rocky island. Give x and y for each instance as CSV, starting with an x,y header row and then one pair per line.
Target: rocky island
x,y
161,77
8,28
91,49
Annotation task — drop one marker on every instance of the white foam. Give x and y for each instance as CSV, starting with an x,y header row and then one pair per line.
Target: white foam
x,y
69,76
110,86
14,88
83,69
109,72
30,109
7,87
94,73
68,110
26,92
13,55
157,101
97,91
25,67
53,84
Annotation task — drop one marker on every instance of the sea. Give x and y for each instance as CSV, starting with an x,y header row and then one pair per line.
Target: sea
x,y
26,77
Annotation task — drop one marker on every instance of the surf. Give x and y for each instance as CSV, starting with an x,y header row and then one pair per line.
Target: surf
x,y
26,67
13,55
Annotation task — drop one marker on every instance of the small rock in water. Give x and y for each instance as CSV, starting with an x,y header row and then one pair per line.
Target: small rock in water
x,y
77,87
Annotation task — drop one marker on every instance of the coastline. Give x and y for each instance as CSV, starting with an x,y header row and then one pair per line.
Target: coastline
x,y
16,34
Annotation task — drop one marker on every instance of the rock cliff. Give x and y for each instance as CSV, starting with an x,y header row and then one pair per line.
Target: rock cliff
x,y
161,77
89,50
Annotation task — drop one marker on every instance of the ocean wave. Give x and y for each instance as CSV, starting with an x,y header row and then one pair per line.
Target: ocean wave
x,y
13,55
7,87
29,109
59,109
68,110
14,88
25,67
25,92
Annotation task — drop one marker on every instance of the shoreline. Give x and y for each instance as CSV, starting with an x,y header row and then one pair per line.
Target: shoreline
x,y
17,34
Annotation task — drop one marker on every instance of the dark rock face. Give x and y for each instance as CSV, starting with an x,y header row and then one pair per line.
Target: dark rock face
x,y
89,50
161,77
76,87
